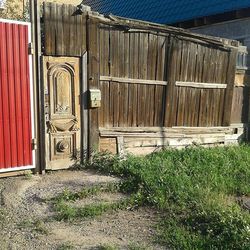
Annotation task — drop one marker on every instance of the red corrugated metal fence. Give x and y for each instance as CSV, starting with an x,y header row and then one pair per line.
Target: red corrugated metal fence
x,y
15,104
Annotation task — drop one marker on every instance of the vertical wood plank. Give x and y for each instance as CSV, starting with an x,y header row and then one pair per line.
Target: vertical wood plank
x,y
230,76
171,76
162,43
174,57
101,112
52,25
47,27
121,65
134,69
93,76
142,89
114,71
66,28
151,75
59,45
127,114
104,114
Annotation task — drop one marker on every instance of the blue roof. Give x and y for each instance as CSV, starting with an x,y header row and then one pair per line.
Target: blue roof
x,y
166,11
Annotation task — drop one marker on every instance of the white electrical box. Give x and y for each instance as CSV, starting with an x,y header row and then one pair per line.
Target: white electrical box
x,y
95,98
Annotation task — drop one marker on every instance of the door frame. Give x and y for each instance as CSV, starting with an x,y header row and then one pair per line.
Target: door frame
x,y
84,108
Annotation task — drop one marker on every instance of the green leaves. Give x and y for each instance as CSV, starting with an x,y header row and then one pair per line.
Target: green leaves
x,y
197,188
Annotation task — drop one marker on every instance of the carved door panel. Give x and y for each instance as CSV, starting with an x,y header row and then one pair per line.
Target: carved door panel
x,y
62,111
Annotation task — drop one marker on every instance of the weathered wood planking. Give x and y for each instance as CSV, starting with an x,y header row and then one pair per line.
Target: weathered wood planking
x,y
135,131
186,80
197,98
149,75
134,63
108,145
150,139
64,29
240,106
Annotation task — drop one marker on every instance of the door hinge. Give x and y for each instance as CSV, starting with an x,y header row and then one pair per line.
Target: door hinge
x,y
31,49
34,144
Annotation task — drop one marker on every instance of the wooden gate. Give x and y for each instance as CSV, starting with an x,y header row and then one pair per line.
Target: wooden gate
x,y
152,79
62,111
15,97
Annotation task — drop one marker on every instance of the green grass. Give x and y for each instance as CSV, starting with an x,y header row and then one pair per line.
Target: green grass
x,y
107,247
196,191
69,212
66,246
134,246
86,192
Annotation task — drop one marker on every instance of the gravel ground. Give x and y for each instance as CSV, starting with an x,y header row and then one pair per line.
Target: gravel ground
x,y
26,218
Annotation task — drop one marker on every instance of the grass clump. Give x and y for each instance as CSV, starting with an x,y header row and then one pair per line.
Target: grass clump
x,y
28,174
134,246
70,212
86,192
196,189
107,247
66,246
66,211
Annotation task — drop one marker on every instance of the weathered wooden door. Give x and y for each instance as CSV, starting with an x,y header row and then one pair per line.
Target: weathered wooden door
x,y
62,111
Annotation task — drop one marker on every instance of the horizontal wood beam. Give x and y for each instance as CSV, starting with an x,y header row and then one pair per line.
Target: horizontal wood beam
x,y
127,24
201,85
162,135
163,131
130,80
143,143
156,129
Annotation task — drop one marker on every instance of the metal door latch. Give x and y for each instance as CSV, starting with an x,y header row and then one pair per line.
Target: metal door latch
x,y
34,144
31,49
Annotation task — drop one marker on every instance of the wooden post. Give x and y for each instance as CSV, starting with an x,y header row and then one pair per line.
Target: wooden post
x,y
84,107
36,42
93,80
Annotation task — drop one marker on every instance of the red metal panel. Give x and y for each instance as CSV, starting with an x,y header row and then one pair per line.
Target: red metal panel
x,y
5,96
15,111
17,74
11,84
2,158
28,100
25,108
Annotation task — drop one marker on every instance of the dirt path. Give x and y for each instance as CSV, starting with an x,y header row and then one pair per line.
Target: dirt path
x,y
27,222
